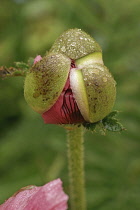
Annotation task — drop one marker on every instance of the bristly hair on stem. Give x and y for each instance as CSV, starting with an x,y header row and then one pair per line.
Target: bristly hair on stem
x,y
75,147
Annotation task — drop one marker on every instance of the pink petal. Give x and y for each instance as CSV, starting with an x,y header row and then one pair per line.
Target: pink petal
x,y
65,110
37,58
47,197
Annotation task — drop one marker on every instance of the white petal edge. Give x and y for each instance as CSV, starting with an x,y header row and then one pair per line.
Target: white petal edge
x,y
90,59
79,92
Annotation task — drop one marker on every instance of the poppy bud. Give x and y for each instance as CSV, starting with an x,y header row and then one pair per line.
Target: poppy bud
x,y
71,84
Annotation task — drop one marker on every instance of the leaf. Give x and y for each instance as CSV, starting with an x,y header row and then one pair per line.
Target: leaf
x,y
109,123
90,126
21,65
100,128
30,61
20,69
112,114
112,125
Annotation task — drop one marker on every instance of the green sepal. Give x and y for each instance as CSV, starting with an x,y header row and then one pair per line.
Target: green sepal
x,y
99,85
75,44
45,81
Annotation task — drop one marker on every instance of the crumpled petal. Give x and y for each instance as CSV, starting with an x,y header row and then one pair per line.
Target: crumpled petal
x,y
65,110
48,197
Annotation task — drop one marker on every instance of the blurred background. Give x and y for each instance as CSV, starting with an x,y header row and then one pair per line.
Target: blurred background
x,y
34,153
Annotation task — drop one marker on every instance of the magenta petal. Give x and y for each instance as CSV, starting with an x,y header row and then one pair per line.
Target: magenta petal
x,y
64,111
47,197
37,58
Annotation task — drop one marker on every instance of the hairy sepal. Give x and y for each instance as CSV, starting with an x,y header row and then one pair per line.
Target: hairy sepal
x,y
99,86
75,43
46,80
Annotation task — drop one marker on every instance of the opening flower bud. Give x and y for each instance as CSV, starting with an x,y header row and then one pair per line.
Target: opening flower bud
x,y
71,84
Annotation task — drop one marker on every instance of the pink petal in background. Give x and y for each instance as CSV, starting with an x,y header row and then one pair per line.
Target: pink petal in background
x,y
48,197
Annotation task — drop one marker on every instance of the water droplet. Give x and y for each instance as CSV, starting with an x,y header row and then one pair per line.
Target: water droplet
x,y
73,44
104,79
63,49
96,71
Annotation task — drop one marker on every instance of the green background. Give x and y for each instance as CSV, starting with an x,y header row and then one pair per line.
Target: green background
x,y
34,153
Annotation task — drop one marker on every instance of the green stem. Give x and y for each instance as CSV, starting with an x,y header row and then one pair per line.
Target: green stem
x,y
76,168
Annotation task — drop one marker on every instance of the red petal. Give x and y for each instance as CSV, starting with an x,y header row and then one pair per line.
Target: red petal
x,y
65,110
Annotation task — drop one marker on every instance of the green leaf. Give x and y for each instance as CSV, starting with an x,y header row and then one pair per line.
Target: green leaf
x,y
21,65
90,126
112,114
112,125
100,128
20,69
109,123
30,61
11,72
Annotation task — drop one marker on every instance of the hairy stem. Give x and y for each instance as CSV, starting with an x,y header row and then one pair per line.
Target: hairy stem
x,y
76,168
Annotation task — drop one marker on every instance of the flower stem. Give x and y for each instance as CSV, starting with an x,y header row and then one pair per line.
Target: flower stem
x,y
76,168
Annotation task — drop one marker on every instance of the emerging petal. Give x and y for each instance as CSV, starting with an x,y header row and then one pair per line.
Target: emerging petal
x,y
65,110
37,58
47,197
